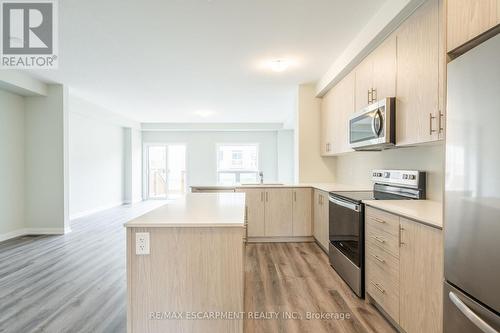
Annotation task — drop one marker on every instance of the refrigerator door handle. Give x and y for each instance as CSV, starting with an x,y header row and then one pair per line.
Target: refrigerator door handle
x,y
474,318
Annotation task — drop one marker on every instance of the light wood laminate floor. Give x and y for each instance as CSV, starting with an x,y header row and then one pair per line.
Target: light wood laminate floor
x,y
296,278
70,283
77,282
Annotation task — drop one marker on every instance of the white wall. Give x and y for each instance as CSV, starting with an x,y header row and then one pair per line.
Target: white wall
x,y
355,168
96,159
133,165
201,151
46,162
311,166
11,163
285,143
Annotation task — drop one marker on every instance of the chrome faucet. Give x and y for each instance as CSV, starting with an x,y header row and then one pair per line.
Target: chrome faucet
x,y
261,175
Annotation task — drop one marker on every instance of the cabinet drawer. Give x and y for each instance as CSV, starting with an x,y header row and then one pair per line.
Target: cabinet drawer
x,y
383,290
382,263
386,241
384,221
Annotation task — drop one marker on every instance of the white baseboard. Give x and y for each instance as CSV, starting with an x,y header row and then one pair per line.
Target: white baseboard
x,y
31,231
95,210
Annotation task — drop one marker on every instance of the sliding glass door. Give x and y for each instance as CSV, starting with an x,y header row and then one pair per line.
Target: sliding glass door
x,y
166,170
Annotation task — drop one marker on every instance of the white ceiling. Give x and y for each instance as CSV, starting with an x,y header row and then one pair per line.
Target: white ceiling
x,y
162,60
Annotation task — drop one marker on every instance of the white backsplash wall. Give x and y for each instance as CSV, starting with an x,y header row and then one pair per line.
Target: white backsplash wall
x,y
355,168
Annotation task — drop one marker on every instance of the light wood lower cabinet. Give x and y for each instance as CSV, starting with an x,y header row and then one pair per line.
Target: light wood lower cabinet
x,y
255,212
302,212
404,270
278,212
321,213
421,278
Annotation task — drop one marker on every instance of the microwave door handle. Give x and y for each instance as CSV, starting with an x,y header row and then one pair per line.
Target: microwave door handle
x,y
467,312
376,121
345,204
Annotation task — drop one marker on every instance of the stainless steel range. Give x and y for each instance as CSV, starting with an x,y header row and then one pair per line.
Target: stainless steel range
x,y
347,220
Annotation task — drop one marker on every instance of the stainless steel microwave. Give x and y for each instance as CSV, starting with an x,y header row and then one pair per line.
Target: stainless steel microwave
x,y
373,128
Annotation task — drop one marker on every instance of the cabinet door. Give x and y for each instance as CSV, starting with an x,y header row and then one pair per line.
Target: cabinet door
x,y
302,212
417,83
317,214
343,108
384,69
325,236
327,123
421,278
468,19
364,83
255,212
278,212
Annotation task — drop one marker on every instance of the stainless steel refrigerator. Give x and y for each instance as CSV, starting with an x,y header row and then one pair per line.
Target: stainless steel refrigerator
x,y
472,192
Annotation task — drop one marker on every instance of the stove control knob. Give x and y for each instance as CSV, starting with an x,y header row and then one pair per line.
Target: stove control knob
x,y
387,174
405,176
412,177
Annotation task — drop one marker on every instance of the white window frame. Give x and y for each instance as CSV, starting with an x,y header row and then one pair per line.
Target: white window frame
x,y
236,172
145,167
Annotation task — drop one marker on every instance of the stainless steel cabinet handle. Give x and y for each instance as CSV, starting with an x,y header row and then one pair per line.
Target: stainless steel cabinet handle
x,y
441,115
378,258
379,239
267,196
374,95
431,117
378,220
474,318
261,196
294,195
378,287
369,98
401,243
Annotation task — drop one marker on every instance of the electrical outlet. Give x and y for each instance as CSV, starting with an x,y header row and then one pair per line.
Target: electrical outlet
x,y
142,243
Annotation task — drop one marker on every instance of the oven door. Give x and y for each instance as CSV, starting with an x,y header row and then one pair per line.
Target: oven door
x,y
346,229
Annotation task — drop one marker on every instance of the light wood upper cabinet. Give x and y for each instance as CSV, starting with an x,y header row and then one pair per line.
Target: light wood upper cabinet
x,y
376,75
320,218
302,212
468,19
278,212
343,107
336,107
421,278
255,205
417,85
364,83
327,106
384,69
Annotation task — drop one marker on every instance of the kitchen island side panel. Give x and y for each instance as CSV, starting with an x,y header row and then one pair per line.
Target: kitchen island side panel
x,y
188,270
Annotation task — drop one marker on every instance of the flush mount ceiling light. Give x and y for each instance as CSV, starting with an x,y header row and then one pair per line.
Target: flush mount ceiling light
x,y
279,65
204,113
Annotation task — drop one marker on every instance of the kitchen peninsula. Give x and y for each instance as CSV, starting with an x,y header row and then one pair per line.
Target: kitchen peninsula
x,y
185,262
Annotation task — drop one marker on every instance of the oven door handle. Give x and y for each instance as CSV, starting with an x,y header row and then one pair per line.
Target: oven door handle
x,y
350,205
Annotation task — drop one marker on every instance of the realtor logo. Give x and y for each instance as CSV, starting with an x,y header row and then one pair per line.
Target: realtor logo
x,y
29,34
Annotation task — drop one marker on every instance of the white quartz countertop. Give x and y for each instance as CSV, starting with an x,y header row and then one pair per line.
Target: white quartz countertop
x,y
426,211
196,210
327,187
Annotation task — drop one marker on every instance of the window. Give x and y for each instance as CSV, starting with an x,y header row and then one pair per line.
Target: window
x,y
166,170
237,163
